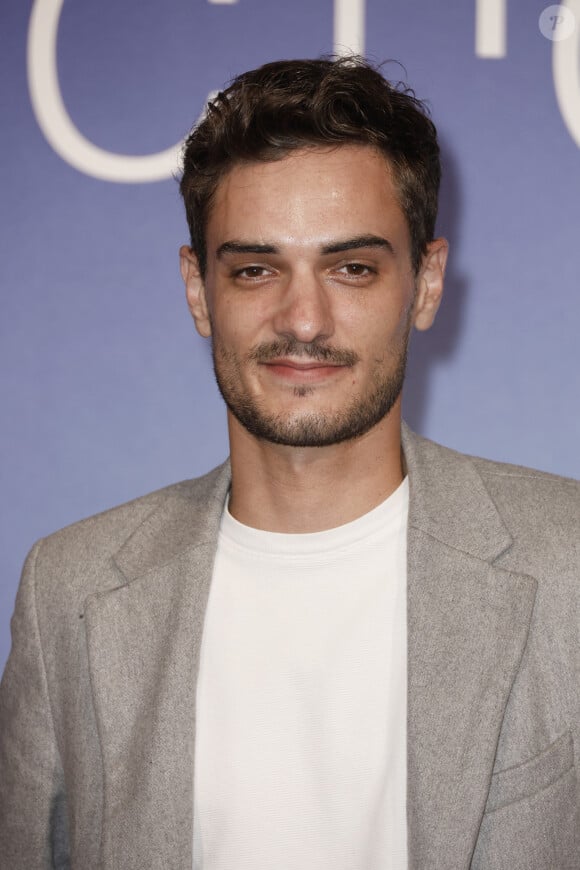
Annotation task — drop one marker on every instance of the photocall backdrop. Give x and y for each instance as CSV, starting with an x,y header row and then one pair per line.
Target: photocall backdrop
x,y
107,391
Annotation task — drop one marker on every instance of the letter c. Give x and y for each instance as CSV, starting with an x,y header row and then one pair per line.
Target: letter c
x,y
69,143
56,124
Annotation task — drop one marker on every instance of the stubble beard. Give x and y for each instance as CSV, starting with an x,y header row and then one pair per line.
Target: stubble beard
x,y
309,429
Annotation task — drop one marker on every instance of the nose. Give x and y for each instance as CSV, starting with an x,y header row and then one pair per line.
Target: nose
x,y
304,310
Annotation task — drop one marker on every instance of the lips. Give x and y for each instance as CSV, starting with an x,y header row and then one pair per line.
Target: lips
x,y
302,370
294,364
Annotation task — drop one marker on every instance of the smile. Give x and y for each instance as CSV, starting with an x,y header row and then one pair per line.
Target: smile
x,y
306,371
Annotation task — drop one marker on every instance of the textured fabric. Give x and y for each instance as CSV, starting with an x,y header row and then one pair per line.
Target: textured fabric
x,y
300,756
97,702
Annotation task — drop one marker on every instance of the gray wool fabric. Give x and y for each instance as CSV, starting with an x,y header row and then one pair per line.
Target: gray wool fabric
x,y
97,702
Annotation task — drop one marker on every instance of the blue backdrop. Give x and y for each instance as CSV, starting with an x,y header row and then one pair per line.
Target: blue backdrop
x,y
107,391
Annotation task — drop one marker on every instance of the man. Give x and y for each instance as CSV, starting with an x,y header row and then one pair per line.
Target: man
x,y
348,647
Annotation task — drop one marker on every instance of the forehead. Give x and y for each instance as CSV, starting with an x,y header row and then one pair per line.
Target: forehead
x,y
311,194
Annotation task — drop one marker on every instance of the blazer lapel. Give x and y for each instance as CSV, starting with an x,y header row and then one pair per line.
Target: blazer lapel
x,y
144,640
467,628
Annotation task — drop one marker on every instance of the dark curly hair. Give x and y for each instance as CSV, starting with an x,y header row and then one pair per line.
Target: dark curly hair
x,y
282,106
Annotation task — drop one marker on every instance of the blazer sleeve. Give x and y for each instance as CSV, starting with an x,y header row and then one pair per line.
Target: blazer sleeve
x,y
32,805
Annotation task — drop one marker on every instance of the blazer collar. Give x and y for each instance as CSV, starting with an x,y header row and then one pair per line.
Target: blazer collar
x,y
189,516
449,501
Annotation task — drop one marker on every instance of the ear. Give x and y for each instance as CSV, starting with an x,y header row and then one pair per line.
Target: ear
x,y
430,283
195,290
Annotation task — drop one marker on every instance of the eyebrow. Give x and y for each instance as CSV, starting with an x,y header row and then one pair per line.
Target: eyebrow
x,y
368,241
245,248
358,242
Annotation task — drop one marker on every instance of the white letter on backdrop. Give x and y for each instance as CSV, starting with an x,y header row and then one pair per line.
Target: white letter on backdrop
x,y
490,28
349,26
566,71
76,149
55,122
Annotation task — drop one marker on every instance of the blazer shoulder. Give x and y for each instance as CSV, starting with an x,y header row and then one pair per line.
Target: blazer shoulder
x,y
542,513
489,467
458,492
531,489
527,487
99,536
507,474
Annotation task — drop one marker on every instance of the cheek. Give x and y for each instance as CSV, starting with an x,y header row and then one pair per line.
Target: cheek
x,y
387,336
237,330
246,320
380,328
380,315
229,320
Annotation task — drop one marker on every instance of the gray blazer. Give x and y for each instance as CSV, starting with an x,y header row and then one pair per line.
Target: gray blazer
x,y
97,703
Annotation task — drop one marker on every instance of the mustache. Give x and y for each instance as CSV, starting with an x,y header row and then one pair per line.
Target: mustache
x,y
314,350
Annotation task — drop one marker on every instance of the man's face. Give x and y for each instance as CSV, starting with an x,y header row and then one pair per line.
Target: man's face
x,y
309,294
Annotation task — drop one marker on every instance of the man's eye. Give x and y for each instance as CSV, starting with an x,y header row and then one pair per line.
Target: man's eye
x,y
251,272
356,270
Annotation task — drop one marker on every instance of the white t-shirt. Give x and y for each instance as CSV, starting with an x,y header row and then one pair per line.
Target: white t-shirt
x,y
300,756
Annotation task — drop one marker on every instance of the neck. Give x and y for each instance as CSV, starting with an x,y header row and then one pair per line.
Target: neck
x,y
295,490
